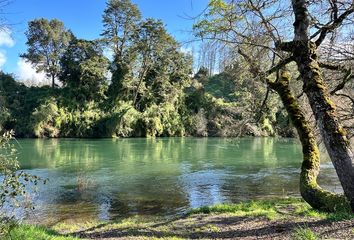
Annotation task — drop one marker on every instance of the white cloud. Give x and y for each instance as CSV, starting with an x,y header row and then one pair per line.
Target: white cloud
x,y
27,74
6,39
2,59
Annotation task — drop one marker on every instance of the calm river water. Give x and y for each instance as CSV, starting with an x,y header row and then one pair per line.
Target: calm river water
x,y
106,179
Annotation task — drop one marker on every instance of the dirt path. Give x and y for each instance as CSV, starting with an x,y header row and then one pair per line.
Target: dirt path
x,y
224,226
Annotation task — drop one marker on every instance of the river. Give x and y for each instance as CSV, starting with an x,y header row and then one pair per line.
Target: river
x,y
110,178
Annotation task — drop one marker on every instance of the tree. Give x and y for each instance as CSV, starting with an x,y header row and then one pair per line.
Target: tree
x,y
120,21
150,47
84,69
47,41
162,70
242,23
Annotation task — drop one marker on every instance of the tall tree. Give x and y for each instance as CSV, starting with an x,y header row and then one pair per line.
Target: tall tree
x,y
241,23
120,21
150,46
47,41
84,69
160,66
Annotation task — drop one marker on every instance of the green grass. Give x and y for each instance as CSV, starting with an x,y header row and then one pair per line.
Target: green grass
x,y
304,233
134,222
273,209
253,208
28,232
291,209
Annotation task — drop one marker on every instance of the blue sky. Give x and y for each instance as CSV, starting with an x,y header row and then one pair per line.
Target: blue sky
x,y
83,17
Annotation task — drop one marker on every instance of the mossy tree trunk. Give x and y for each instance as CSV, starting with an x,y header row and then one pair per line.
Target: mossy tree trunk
x,y
310,190
304,52
333,134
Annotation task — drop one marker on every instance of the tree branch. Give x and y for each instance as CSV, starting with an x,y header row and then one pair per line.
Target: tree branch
x,y
331,26
337,67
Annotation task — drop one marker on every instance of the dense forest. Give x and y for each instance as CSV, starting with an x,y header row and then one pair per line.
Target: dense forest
x,y
147,87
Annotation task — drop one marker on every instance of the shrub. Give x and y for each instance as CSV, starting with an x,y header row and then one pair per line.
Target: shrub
x,y
13,184
46,119
171,120
152,121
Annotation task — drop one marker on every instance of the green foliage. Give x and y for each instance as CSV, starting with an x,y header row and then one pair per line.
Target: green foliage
x,y
119,20
198,124
222,85
46,120
21,102
52,120
304,233
80,122
84,70
13,184
275,209
156,120
217,19
46,41
267,126
28,232
150,93
123,121
211,116
119,88
4,115
253,208
171,120
152,121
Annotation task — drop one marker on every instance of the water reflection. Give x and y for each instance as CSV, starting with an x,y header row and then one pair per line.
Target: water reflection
x,y
105,179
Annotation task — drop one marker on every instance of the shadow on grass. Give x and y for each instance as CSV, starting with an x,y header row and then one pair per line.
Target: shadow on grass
x,y
220,228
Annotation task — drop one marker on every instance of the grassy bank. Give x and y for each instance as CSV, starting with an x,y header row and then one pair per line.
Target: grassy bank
x,y
265,219
28,232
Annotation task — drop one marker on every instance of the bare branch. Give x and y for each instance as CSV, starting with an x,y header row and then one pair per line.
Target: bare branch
x,y
332,25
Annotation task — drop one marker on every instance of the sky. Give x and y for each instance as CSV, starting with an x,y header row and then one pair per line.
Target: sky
x,y
84,17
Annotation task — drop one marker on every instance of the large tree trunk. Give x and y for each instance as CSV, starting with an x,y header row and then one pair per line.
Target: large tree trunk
x,y
334,137
333,134
312,193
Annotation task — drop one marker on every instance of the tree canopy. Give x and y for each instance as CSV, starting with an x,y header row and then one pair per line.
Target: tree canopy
x,y
47,41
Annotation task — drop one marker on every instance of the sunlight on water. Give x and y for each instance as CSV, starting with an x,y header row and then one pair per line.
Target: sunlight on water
x,y
105,179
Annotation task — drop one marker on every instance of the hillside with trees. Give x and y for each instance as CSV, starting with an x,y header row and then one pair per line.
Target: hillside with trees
x,y
145,87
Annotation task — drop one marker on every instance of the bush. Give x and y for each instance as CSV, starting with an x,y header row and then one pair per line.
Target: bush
x,y
152,121
199,126
123,121
171,120
13,185
79,122
46,119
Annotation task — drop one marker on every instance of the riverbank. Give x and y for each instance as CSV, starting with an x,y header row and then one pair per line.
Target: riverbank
x,y
268,219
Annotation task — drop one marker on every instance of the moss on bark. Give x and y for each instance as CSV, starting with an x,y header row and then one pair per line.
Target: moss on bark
x,y
312,193
333,135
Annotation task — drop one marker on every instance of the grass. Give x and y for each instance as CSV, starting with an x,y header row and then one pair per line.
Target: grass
x,y
290,210
135,222
304,233
273,209
30,232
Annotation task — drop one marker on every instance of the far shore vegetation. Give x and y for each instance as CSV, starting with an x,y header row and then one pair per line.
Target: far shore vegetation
x,y
264,68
